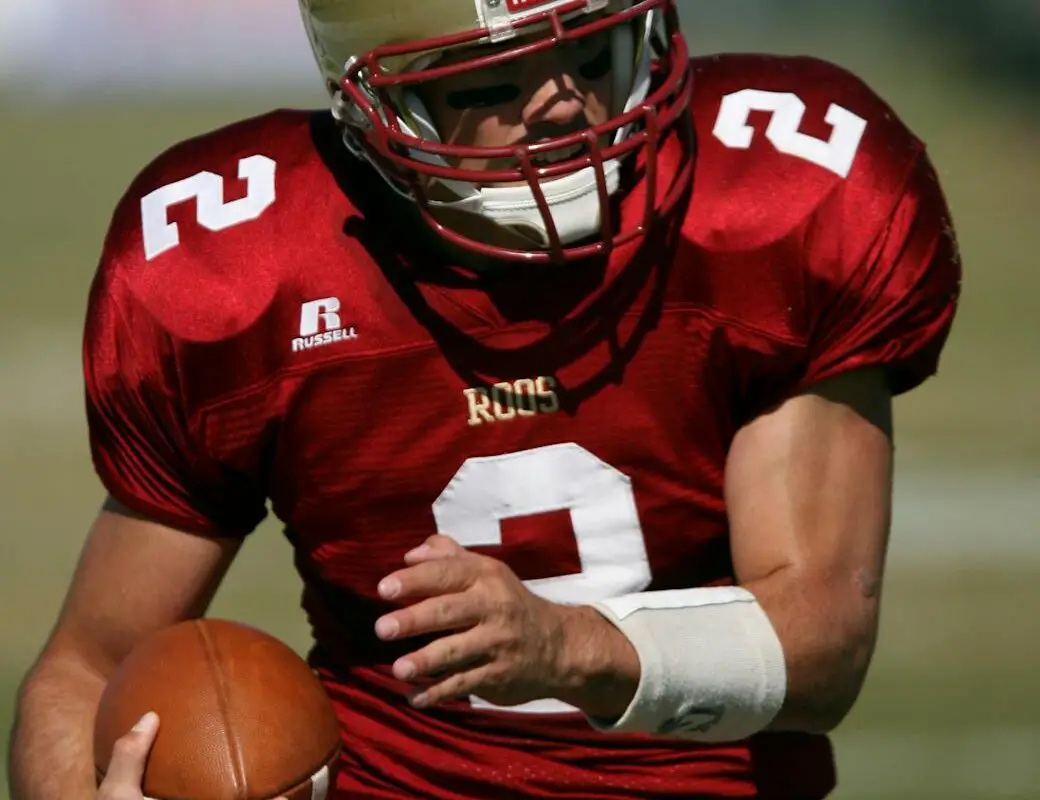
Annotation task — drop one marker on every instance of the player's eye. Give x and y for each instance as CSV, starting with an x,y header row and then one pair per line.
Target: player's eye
x,y
599,66
483,97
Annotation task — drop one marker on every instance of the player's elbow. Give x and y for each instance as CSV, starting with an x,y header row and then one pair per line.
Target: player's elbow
x,y
825,683
825,707
834,703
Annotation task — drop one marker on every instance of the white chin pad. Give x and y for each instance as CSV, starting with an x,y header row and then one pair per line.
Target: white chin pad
x,y
573,202
712,668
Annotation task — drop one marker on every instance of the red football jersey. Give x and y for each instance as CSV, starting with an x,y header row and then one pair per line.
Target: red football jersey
x,y
264,329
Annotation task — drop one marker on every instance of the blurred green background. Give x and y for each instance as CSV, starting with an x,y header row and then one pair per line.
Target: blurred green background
x,y
952,705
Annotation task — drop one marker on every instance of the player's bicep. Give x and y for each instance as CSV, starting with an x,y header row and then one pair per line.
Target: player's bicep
x,y
135,576
808,485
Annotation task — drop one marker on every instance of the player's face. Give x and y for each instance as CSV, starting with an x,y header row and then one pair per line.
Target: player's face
x,y
543,96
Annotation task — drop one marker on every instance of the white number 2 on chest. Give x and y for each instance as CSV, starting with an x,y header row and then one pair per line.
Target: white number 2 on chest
x,y
560,477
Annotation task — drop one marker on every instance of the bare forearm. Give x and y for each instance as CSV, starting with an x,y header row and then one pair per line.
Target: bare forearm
x,y
51,745
808,495
828,636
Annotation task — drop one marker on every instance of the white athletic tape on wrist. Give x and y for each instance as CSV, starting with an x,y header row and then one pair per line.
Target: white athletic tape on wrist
x,y
712,666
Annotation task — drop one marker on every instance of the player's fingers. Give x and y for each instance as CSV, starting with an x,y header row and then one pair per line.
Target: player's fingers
x,y
129,754
446,655
430,578
461,684
435,547
448,612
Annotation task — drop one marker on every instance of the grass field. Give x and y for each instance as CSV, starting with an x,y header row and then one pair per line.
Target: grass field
x,y
952,706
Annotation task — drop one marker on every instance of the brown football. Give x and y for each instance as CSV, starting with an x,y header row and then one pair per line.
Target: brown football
x,y
242,717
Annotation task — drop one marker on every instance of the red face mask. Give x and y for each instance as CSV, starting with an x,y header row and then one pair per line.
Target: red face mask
x,y
379,127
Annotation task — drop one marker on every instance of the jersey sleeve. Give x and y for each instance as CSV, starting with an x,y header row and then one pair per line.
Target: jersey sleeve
x,y
893,307
143,438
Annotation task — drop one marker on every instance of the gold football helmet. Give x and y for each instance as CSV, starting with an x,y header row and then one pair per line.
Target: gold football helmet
x,y
375,53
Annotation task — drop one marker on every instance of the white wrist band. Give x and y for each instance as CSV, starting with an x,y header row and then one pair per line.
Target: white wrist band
x,y
712,666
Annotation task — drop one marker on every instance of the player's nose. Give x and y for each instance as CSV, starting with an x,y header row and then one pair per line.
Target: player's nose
x,y
554,95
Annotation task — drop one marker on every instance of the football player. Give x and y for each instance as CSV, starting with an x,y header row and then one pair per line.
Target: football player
x,y
567,362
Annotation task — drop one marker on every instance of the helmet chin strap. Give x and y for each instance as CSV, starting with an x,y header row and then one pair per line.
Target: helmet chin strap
x,y
573,199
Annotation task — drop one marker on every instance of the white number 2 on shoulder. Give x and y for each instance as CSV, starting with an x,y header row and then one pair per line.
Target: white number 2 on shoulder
x,y
836,154
211,210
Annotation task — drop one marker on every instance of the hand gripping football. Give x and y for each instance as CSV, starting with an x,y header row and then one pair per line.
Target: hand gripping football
x,y
242,717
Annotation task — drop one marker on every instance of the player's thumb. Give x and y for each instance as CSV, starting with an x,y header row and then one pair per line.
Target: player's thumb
x,y
129,755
